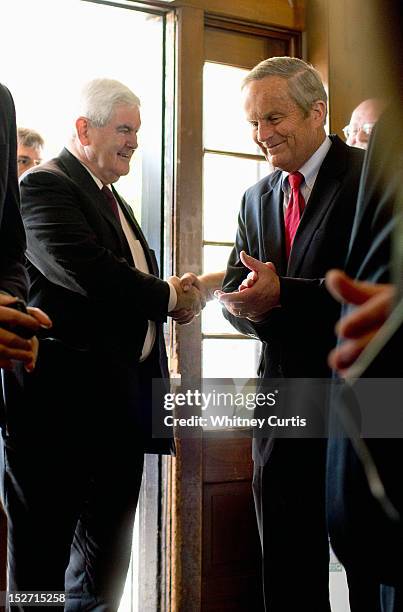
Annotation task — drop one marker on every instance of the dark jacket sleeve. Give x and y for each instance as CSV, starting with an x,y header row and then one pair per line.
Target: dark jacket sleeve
x,y
236,271
13,278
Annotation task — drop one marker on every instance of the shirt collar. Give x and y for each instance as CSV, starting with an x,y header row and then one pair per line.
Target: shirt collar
x,y
311,167
98,181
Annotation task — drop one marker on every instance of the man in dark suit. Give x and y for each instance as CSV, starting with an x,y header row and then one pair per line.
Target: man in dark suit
x,y
367,539
301,229
18,345
74,463
13,279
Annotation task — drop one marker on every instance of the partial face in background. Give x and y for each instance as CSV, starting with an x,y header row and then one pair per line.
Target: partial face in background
x,y
362,121
286,136
27,157
107,150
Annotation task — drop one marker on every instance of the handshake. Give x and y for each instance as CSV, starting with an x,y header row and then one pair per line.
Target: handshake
x,y
193,292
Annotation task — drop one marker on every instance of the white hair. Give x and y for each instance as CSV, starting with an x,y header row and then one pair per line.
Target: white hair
x,y
100,97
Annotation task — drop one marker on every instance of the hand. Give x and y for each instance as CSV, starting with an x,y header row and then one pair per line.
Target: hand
x,y
252,277
206,284
188,280
255,301
374,303
12,346
188,298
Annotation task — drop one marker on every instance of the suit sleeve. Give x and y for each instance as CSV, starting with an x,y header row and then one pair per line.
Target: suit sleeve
x,y
236,272
63,246
13,279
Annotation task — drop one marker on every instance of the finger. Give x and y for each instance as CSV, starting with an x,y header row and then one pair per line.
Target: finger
x,y
186,321
182,315
345,289
368,317
251,262
11,341
29,367
40,316
271,265
14,318
199,300
175,314
185,318
343,357
187,280
7,299
8,353
247,283
230,299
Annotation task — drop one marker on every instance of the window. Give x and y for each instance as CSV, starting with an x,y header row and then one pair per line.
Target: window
x,y
232,163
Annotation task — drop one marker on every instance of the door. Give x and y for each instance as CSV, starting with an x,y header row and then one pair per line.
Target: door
x,y
216,549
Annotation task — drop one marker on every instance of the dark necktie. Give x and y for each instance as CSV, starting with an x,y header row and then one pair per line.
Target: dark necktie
x,y
294,210
111,201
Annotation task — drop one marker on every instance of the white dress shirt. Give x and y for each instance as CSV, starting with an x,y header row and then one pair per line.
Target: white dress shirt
x,y
309,171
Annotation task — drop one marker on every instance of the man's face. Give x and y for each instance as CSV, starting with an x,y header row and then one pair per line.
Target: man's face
x,y
361,123
108,150
286,137
27,157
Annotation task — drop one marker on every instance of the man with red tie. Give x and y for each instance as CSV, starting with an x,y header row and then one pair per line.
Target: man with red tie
x,y
299,218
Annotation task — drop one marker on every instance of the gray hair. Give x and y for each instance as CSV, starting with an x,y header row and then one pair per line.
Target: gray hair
x,y
304,82
29,138
99,98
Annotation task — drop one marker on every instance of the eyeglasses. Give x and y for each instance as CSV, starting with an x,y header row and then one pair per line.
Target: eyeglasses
x,y
24,160
367,128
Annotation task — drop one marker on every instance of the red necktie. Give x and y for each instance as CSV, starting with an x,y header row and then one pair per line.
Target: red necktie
x,y
111,201
294,210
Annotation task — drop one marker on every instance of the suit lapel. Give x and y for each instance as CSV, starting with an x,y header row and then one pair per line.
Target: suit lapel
x,y
80,175
132,222
272,224
324,192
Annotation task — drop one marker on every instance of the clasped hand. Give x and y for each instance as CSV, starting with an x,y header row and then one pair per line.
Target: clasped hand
x,y
258,293
191,298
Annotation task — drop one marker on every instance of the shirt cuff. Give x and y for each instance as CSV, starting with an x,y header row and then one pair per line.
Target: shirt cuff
x,y
173,298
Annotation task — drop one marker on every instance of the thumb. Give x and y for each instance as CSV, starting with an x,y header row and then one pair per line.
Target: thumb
x,y
251,262
345,289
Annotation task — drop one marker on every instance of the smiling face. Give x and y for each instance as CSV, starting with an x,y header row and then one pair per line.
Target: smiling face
x,y
107,150
285,135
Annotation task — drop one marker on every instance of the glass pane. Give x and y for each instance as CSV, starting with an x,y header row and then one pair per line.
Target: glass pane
x,y
226,178
213,321
215,258
224,124
230,358
48,104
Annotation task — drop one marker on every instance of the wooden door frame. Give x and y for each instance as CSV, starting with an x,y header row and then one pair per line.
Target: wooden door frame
x,y
186,475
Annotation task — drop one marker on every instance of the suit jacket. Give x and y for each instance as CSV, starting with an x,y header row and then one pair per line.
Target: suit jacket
x,y
298,336
82,274
13,278
361,532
